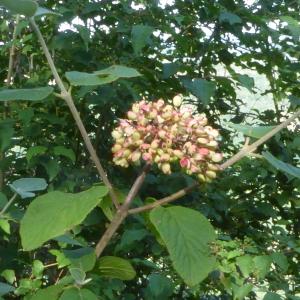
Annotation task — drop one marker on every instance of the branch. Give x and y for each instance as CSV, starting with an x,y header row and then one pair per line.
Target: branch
x,y
246,150
8,83
8,204
121,213
70,102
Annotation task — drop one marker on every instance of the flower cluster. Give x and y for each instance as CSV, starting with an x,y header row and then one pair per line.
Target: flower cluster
x,y
163,134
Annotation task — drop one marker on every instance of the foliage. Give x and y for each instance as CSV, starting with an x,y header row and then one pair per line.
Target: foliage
x,y
234,238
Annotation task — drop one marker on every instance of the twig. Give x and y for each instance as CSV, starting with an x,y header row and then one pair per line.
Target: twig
x,y
8,83
165,200
8,204
246,150
66,95
121,213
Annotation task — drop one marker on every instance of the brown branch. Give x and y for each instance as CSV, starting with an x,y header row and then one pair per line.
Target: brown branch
x,y
66,95
12,53
246,150
121,213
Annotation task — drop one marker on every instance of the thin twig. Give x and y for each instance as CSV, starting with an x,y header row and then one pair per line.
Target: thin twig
x,y
12,53
121,213
8,204
66,95
246,150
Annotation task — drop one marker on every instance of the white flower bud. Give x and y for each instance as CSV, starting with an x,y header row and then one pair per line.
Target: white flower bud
x,y
177,100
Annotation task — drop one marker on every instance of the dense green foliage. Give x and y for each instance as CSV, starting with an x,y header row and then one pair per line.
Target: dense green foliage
x,y
234,238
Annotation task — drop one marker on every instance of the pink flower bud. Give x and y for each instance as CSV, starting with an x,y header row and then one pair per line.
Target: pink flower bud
x,y
154,144
185,163
216,157
162,134
178,153
165,157
202,141
136,155
203,151
147,156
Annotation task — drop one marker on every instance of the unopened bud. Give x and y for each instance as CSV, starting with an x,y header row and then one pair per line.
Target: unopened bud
x,y
136,136
177,100
216,157
136,155
166,168
131,115
211,174
116,134
116,148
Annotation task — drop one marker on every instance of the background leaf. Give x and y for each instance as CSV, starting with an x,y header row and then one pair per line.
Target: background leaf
x,y
35,94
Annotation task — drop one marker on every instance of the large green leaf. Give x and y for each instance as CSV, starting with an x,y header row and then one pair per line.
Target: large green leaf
x,y
35,94
26,186
119,71
201,88
186,234
50,215
116,267
140,35
51,292
252,131
78,294
22,7
293,26
101,77
280,165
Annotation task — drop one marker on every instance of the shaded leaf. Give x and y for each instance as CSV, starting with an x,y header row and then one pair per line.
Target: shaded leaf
x,y
52,214
34,151
140,35
229,17
201,88
186,234
41,11
116,267
26,186
246,81
78,294
22,7
51,292
35,94
5,288
280,165
119,71
252,131
66,152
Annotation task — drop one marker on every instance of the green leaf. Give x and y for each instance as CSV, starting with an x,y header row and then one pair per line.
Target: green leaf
x,y
5,288
252,131
201,88
271,296
280,165
86,79
52,214
78,294
67,239
83,258
78,275
116,267
37,269
280,260
160,286
246,81
26,186
52,168
6,134
9,275
245,263
36,94
5,226
119,71
240,292
229,17
3,200
35,151
140,35
51,292
293,26
42,11
186,234
22,7
84,34
101,77
66,152
262,265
